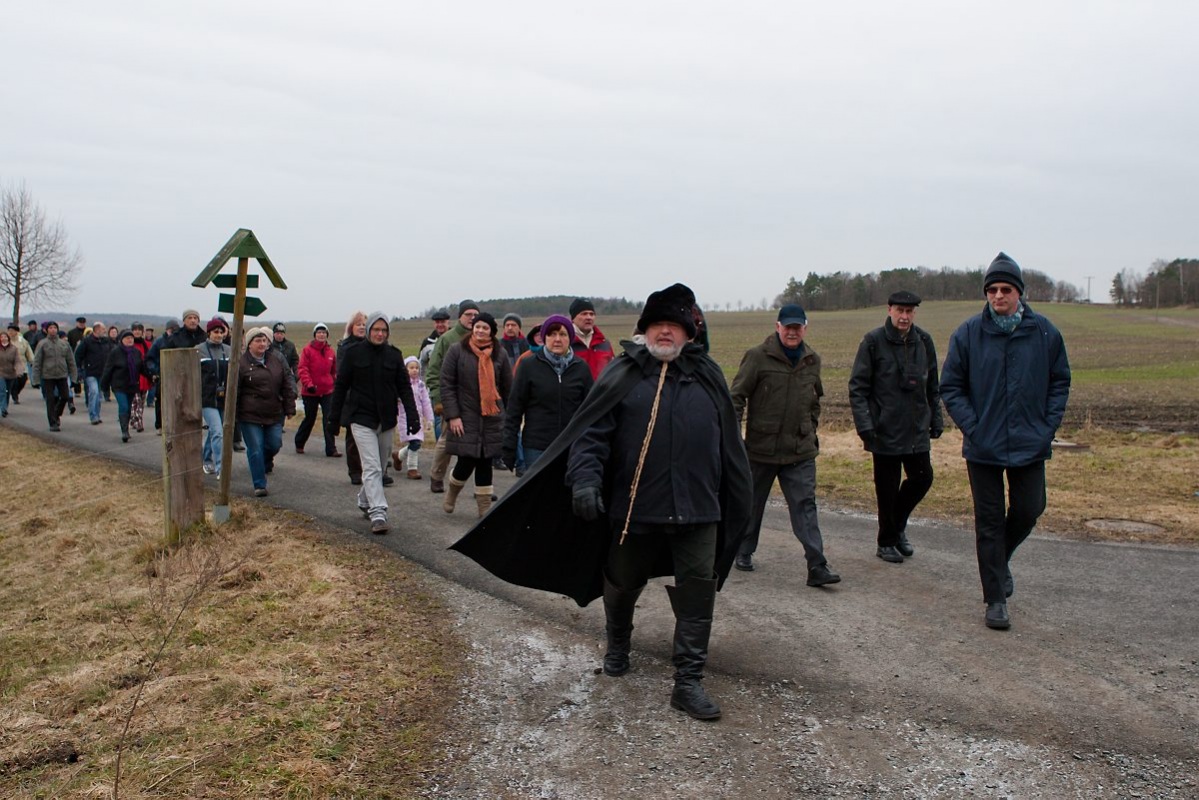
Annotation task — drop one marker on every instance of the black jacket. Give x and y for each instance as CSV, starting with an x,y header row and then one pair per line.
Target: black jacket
x,y
532,537
544,402
370,380
184,338
92,354
115,375
288,350
894,391
214,374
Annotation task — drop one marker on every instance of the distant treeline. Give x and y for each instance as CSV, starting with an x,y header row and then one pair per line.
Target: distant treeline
x,y
844,290
539,308
1174,283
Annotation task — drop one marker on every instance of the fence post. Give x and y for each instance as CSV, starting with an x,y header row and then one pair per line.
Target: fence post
x,y
182,440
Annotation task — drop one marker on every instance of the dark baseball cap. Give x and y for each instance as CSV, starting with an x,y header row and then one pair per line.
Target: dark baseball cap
x,y
792,314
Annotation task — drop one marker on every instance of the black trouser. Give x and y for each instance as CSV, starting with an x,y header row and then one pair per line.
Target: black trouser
x,y
465,465
692,549
353,460
311,405
55,392
18,385
896,500
998,531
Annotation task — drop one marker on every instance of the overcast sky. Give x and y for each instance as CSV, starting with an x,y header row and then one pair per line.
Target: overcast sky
x,y
399,155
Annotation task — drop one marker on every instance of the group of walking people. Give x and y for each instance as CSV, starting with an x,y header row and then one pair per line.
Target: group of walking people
x,y
636,465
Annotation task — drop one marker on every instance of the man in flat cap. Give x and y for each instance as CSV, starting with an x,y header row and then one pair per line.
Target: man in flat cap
x,y
777,392
896,402
1005,384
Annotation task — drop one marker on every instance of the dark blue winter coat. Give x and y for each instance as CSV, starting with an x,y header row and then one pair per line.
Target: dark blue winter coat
x,y
1007,393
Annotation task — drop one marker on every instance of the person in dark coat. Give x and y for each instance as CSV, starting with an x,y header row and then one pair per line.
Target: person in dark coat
x,y
54,370
476,379
122,376
1005,384
548,389
513,339
91,356
371,381
285,347
605,532
355,332
265,395
896,402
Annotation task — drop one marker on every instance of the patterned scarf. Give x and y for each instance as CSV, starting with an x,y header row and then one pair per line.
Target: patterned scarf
x,y
1009,323
489,398
559,363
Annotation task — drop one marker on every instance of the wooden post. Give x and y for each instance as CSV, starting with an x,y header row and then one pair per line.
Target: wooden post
x,y
220,512
182,440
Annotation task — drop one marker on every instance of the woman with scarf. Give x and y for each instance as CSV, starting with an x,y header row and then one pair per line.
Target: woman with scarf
x,y
122,373
476,378
548,389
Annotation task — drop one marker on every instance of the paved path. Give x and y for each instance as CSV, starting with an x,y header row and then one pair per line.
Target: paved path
x,y
886,683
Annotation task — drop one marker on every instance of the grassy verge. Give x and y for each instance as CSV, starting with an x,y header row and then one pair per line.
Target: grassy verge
x,y
302,665
1122,475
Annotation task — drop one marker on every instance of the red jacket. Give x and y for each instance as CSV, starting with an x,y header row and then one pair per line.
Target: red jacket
x,y
598,355
143,382
318,367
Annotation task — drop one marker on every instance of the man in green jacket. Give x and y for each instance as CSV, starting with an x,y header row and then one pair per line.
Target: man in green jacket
x,y
779,381
467,311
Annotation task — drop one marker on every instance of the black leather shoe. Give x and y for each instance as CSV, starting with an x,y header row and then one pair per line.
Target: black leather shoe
x,y
905,547
388,480
822,576
890,554
997,617
1009,583
744,563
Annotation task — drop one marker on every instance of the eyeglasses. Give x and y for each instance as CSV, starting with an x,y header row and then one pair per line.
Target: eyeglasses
x,y
1000,289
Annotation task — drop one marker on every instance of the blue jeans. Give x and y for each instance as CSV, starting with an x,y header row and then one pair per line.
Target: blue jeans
x,y
437,426
262,442
6,386
94,399
214,418
531,457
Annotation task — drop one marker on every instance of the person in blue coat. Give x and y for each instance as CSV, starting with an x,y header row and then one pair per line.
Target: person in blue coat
x,y
1005,384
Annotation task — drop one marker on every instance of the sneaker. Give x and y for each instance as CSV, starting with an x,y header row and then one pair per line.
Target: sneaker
x,y
822,576
997,617
209,469
260,492
379,525
745,563
890,554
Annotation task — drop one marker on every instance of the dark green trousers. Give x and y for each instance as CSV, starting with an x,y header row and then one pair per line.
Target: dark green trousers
x,y
692,550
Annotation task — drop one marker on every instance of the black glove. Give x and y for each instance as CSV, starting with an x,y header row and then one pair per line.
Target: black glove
x,y
334,430
935,433
587,502
866,436
414,426
508,459
76,388
310,389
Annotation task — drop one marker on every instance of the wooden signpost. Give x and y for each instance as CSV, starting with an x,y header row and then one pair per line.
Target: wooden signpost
x,y
243,246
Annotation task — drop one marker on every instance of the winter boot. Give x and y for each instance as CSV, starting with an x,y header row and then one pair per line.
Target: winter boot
x,y
124,419
483,499
619,605
451,495
692,601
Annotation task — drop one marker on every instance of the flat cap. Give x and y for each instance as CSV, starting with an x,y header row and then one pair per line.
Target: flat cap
x,y
903,298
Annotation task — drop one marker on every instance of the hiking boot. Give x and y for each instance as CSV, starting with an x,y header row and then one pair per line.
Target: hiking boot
x,y
821,575
436,486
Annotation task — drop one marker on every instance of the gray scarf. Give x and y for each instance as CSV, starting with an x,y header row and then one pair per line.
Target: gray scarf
x,y
559,363
1009,323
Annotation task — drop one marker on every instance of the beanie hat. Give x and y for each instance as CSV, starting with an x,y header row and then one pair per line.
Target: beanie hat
x,y
490,320
46,325
580,305
191,312
172,324
214,323
121,336
553,320
279,328
1004,270
520,323
320,326
254,333
411,360
467,305
672,304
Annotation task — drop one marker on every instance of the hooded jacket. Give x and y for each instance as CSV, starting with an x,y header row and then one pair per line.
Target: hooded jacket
x,y
1007,392
371,380
893,417
424,406
532,537
318,369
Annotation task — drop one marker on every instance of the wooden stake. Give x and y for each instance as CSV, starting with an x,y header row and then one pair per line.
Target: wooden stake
x,y
182,440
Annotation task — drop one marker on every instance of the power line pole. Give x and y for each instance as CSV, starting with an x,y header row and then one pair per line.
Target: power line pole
x,y
1088,277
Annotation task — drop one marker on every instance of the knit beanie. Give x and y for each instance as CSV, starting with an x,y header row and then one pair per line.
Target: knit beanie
x,y
190,312
580,305
520,323
467,305
1004,270
214,323
554,320
254,333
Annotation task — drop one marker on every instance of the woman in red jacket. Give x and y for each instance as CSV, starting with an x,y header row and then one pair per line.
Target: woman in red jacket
x,y
317,369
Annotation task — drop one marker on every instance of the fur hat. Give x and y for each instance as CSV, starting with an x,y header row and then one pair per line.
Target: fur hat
x,y
672,304
1004,270
557,319
580,305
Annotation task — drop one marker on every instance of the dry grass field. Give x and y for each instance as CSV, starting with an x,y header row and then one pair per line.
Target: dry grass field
x,y
271,660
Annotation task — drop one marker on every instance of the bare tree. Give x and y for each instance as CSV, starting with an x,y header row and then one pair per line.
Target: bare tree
x,y
37,263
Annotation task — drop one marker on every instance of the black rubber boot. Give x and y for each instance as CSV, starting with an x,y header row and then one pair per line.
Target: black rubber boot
x,y
619,605
692,602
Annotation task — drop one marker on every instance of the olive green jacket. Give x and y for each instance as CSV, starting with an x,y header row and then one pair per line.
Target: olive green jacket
x,y
443,343
779,403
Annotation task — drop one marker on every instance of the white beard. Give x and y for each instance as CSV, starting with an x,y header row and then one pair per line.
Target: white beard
x,y
664,352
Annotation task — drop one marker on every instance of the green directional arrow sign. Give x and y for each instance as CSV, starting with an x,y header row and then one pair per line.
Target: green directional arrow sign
x,y
230,281
254,306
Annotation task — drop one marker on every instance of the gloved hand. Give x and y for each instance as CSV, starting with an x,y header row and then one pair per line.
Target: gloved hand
x,y
310,389
414,426
587,502
334,430
76,388
867,437
509,460
935,433
437,409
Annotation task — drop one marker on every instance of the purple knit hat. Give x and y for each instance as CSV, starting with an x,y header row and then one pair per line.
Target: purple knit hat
x,y
558,319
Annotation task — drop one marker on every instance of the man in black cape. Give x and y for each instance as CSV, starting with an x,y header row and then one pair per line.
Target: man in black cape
x,y
657,442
